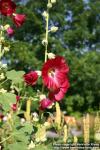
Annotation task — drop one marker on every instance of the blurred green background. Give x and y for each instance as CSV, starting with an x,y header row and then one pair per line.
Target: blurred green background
x,y
77,40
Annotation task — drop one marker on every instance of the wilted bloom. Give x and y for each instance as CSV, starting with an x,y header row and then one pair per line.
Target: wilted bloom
x,y
10,31
19,19
31,78
54,72
45,103
7,7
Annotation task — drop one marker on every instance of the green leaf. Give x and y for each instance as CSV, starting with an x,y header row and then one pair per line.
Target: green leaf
x,y
20,136
6,99
17,146
15,76
28,127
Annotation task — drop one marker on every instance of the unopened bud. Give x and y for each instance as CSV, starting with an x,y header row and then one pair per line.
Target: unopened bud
x,y
6,49
49,5
47,124
12,91
22,121
51,55
2,39
53,1
2,76
54,29
38,72
6,26
31,145
45,14
42,96
4,65
44,42
3,90
5,118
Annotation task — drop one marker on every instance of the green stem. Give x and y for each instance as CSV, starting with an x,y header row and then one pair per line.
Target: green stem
x,y
6,139
47,25
46,37
3,81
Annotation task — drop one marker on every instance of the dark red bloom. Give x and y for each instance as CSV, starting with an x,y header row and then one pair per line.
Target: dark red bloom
x,y
31,78
19,19
17,98
1,116
54,72
10,31
45,103
14,107
7,7
59,94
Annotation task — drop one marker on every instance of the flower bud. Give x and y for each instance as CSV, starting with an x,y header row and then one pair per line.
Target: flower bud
x,y
31,145
6,49
51,55
22,121
38,72
42,96
44,42
12,91
2,76
4,65
45,14
6,26
3,90
35,117
54,29
47,124
2,39
53,1
49,5
5,118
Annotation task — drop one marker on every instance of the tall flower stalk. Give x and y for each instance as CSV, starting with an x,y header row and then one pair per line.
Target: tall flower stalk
x,y
46,36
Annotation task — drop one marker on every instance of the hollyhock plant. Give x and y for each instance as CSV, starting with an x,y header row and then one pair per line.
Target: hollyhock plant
x,y
54,72
7,7
10,31
31,78
19,19
45,103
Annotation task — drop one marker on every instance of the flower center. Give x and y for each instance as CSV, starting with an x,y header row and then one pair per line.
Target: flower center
x,y
51,72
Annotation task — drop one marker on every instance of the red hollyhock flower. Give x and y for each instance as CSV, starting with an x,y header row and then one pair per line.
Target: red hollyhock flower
x,y
59,94
54,72
45,103
31,78
19,19
10,31
7,7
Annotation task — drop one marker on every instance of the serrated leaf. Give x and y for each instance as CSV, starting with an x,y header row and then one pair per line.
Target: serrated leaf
x,y
15,76
6,99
